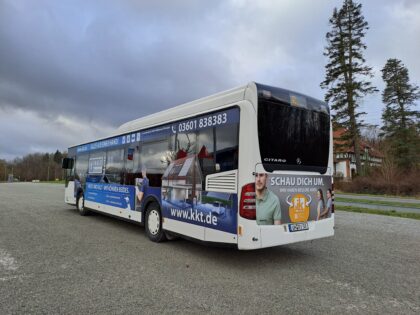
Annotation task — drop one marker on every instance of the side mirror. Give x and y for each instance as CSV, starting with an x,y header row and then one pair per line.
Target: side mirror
x,y
67,163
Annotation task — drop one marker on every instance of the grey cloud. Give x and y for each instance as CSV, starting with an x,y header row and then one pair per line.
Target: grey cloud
x,y
28,132
103,71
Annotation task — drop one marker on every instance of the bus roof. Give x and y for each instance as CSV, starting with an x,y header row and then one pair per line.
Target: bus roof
x,y
249,92
204,104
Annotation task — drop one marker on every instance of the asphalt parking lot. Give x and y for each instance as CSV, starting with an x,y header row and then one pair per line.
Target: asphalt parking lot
x,y
54,261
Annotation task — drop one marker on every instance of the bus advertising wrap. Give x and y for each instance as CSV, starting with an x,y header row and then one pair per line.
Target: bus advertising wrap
x,y
119,196
183,198
292,198
213,210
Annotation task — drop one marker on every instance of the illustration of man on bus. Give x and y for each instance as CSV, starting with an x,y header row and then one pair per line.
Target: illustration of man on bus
x,y
141,186
268,204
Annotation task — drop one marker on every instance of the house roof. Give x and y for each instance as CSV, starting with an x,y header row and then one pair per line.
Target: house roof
x,y
342,147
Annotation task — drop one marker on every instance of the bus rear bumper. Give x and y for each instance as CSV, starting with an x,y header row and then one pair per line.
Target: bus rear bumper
x,y
280,235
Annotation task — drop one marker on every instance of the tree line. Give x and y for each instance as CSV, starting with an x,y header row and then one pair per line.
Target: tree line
x,y
34,166
348,80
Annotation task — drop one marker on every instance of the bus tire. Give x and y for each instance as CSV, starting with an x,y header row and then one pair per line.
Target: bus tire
x,y
153,223
80,205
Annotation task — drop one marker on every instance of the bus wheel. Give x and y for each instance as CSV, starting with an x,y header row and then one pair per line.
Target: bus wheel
x,y
154,223
80,205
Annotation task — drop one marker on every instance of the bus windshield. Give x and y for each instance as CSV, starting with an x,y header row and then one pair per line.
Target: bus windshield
x,y
293,131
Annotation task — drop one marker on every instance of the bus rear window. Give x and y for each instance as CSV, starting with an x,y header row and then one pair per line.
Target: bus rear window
x,y
292,137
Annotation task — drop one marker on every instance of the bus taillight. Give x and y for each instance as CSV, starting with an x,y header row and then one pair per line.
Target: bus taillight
x,y
247,207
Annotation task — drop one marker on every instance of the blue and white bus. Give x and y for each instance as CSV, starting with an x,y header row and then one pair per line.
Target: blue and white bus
x,y
250,167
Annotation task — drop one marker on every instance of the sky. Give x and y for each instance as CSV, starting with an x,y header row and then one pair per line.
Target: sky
x,y
73,71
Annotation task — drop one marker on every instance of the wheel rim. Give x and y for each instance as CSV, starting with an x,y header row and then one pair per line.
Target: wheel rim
x,y
153,222
81,203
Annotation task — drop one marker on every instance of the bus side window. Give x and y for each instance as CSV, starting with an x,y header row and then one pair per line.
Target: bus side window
x,y
114,170
185,145
154,158
227,147
132,163
206,147
81,167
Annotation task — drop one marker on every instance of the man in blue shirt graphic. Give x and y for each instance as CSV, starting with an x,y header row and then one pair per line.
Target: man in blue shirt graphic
x,y
141,189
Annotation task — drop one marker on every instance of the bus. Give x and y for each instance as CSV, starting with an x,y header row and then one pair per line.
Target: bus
x,y
250,167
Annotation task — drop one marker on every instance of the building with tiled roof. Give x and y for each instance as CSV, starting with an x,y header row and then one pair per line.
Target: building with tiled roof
x,y
344,158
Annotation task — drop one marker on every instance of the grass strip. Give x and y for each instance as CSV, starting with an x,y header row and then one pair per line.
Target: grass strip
x,y
377,195
391,213
379,202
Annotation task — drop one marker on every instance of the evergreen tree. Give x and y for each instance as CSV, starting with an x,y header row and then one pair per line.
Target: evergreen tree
x,y
58,156
346,78
400,123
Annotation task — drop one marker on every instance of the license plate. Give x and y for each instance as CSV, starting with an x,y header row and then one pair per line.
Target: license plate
x,y
295,227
